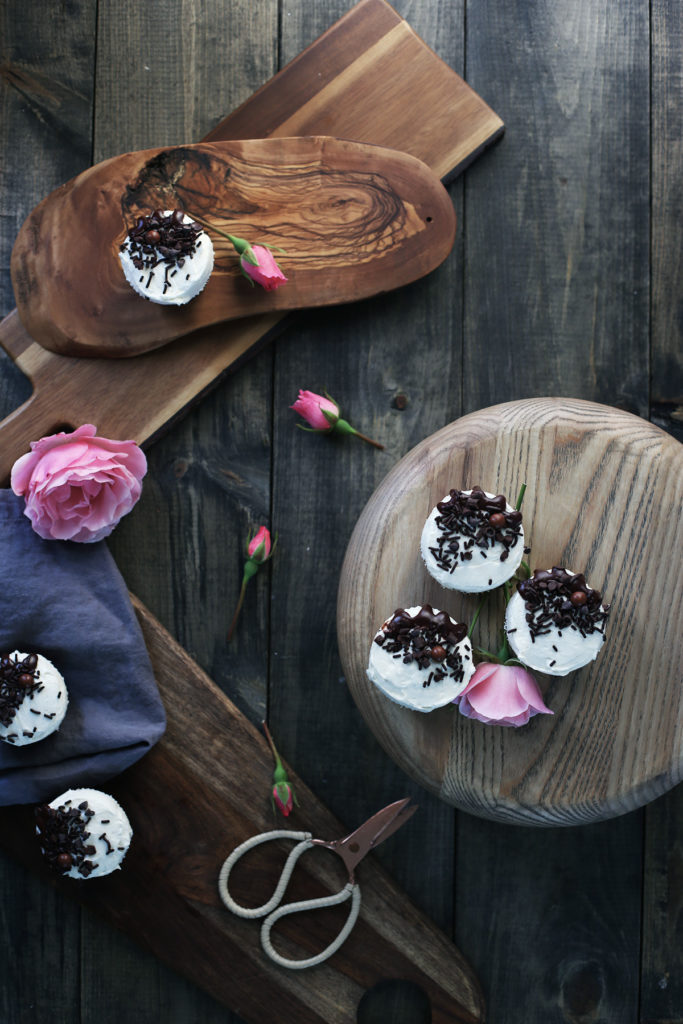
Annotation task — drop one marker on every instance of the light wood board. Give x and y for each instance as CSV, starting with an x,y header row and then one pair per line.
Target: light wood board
x,y
604,496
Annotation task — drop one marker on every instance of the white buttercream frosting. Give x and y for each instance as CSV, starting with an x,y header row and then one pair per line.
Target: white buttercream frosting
x,y
556,652
487,568
107,829
43,708
404,681
173,285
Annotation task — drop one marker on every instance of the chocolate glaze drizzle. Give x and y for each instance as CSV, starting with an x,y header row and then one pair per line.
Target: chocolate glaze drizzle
x,y
468,520
162,238
556,597
63,834
429,639
18,680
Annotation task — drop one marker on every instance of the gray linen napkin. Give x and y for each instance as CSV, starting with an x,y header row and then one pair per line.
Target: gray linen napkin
x,y
68,602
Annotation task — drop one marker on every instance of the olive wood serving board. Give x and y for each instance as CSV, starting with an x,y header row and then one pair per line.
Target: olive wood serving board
x,y
604,495
353,220
202,790
368,78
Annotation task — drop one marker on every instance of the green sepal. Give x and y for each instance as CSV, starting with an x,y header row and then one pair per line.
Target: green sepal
x,y
343,427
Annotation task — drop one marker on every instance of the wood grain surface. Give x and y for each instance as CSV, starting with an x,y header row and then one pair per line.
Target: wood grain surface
x,y
548,291
202,791
604,493
350,220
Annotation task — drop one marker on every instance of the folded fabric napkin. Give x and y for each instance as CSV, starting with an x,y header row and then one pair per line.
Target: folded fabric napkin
x,y
68,602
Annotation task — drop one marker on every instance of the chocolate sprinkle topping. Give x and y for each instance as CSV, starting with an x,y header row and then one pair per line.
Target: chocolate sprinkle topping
x,y
162,238
428,638
62,837
547,597
18,680
470,519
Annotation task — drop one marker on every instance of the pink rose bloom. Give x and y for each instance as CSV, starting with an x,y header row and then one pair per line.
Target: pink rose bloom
x,y
78,486
311,406
501,695
266,272
260,540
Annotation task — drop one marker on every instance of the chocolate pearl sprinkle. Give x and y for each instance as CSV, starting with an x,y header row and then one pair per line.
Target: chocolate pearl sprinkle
x,y
550,600
421,639
466,520
19,680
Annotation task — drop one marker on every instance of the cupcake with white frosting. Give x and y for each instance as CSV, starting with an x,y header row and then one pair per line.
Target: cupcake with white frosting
x,y
472,541
555,622
33,698
421,658
83,833
167,258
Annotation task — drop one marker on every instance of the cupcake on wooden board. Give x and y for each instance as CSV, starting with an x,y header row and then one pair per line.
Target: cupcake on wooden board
x,y
472,541
33,698
555,623
167,257
83,833
421,658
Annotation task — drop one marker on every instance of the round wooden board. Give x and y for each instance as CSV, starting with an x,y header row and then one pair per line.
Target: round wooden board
x,y
604,495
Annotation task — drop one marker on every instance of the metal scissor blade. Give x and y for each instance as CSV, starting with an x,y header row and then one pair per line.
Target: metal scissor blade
x,y
374,831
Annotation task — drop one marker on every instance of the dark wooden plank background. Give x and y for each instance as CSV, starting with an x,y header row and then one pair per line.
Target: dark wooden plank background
x,y
564,280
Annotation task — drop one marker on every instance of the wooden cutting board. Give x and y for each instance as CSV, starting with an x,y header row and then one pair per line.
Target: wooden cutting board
x,y
372,54
604,495
345,221
202,790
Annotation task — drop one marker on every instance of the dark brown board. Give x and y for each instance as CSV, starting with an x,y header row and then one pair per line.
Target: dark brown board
x,y
199,793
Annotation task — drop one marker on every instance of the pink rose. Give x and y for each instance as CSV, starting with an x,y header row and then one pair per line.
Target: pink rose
x,y
78,486
259,545
501,695
313,408
265,271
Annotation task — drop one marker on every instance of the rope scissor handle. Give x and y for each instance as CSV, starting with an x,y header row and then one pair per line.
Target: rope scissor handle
x,y
304,842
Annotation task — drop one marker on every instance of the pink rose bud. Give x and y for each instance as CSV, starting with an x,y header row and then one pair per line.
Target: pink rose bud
x,y
319,412
322,415
259,550
283,797
265,270
78,486
501,695
260,545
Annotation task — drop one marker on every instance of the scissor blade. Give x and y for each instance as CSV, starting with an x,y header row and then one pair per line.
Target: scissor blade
x,y
374,831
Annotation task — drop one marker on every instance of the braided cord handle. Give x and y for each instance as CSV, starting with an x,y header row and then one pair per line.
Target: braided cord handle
x,y
273,915
350,890
304,843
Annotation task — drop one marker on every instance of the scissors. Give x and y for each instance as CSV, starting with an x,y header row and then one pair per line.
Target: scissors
x,y
352,849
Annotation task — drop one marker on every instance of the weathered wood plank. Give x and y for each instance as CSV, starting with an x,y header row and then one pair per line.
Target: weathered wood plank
x,y
46,83
557,217
393,365
209,478
661,998
556,255
667,214
551,921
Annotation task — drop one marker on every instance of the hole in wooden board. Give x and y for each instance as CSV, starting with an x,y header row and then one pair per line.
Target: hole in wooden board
x,y
428,219
394,1000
